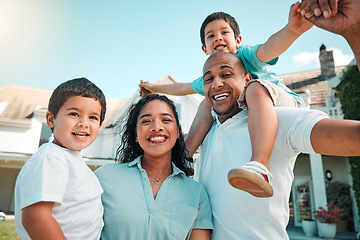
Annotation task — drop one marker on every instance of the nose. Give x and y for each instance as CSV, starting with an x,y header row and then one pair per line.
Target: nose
x,y
83,122
156,126
217,83
218,37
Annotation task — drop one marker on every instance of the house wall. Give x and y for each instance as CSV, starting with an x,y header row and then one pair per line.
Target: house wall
x,y
302,166
104,146
7,187
21,137
337,165
189,106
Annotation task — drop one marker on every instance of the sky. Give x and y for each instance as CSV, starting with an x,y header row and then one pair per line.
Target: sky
x,y
116,43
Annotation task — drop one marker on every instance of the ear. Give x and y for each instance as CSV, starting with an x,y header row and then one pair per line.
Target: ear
x,y
238,41
50,119
204,49
247,78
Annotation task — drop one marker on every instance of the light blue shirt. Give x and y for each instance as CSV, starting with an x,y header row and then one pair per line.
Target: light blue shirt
x,y
131,212
257,69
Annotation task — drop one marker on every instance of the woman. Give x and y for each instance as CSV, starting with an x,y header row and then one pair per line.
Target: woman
x,y
148,195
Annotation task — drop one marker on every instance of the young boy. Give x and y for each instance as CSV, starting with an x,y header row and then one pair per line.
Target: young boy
x,y
56,195
220,33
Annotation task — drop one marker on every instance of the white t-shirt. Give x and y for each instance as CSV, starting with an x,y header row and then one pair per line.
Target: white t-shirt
x,y
237,214
56,174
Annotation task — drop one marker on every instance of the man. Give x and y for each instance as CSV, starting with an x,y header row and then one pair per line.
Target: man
x,y
236,214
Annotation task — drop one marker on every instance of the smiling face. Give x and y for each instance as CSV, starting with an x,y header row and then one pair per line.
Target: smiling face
x,y
219,37
77,123
224,80
156,129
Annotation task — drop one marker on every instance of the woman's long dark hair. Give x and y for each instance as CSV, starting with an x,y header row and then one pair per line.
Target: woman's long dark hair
x,y
129,149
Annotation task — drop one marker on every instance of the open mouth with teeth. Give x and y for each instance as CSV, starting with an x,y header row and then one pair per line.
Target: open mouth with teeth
x,y
221,96
157,139
220,47
81,136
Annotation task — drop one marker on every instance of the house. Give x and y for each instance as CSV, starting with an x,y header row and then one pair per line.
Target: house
x,y
312,172
23,130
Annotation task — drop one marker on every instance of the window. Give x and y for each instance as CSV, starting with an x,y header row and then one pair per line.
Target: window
x,y
178,109
45,134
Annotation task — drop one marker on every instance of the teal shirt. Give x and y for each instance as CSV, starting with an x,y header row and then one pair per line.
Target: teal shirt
x,y
257,69
131,212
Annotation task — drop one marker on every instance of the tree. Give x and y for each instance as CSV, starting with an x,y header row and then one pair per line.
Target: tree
x,y
349,95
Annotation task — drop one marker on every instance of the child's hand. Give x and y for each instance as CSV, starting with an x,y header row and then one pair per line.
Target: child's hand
x,y
327,8
344,18
297,22
305,9
144,88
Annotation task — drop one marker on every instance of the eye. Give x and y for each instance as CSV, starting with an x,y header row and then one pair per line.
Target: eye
x,y
226,75
145,121
94,118
167,120
210,36
225,32
208,79
74,114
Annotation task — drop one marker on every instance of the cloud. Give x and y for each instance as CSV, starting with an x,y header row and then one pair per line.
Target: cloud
x,y
341,58
312,58
306,58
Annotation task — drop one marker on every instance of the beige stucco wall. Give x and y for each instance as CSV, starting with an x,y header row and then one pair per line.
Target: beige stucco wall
x,y
337,165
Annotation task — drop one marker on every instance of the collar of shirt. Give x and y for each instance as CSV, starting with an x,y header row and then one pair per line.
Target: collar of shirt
x,y
137,162
240,115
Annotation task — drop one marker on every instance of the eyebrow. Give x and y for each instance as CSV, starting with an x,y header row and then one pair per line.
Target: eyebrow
x,y
221,67
77,109
161,114
222,29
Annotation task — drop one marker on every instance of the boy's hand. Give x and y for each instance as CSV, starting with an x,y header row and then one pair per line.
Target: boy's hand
x,y
344,20
310,8
144,88
298,22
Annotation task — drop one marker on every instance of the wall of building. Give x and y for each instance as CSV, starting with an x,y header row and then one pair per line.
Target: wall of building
x,y
7,187
21,137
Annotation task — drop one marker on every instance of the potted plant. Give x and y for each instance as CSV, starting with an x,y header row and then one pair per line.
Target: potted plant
x,y
309,227
339,194
327,219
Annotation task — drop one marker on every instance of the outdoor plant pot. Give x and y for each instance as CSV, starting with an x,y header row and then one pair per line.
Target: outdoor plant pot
x,y
309,227
327,230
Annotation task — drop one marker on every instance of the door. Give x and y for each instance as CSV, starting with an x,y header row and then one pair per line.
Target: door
x,y
303,199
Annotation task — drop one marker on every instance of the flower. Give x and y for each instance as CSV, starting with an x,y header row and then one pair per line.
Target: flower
x,y
329,215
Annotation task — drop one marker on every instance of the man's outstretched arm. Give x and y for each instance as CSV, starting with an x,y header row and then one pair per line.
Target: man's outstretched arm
x,y
336,137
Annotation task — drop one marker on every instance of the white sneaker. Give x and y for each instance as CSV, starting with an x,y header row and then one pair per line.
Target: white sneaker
x,y
253,178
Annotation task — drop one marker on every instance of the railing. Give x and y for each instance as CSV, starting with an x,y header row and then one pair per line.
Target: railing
x,y
333,112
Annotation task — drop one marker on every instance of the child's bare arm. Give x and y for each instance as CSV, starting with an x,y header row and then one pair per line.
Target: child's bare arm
x,y
199,128
178,89
282,40
200,234
39,223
